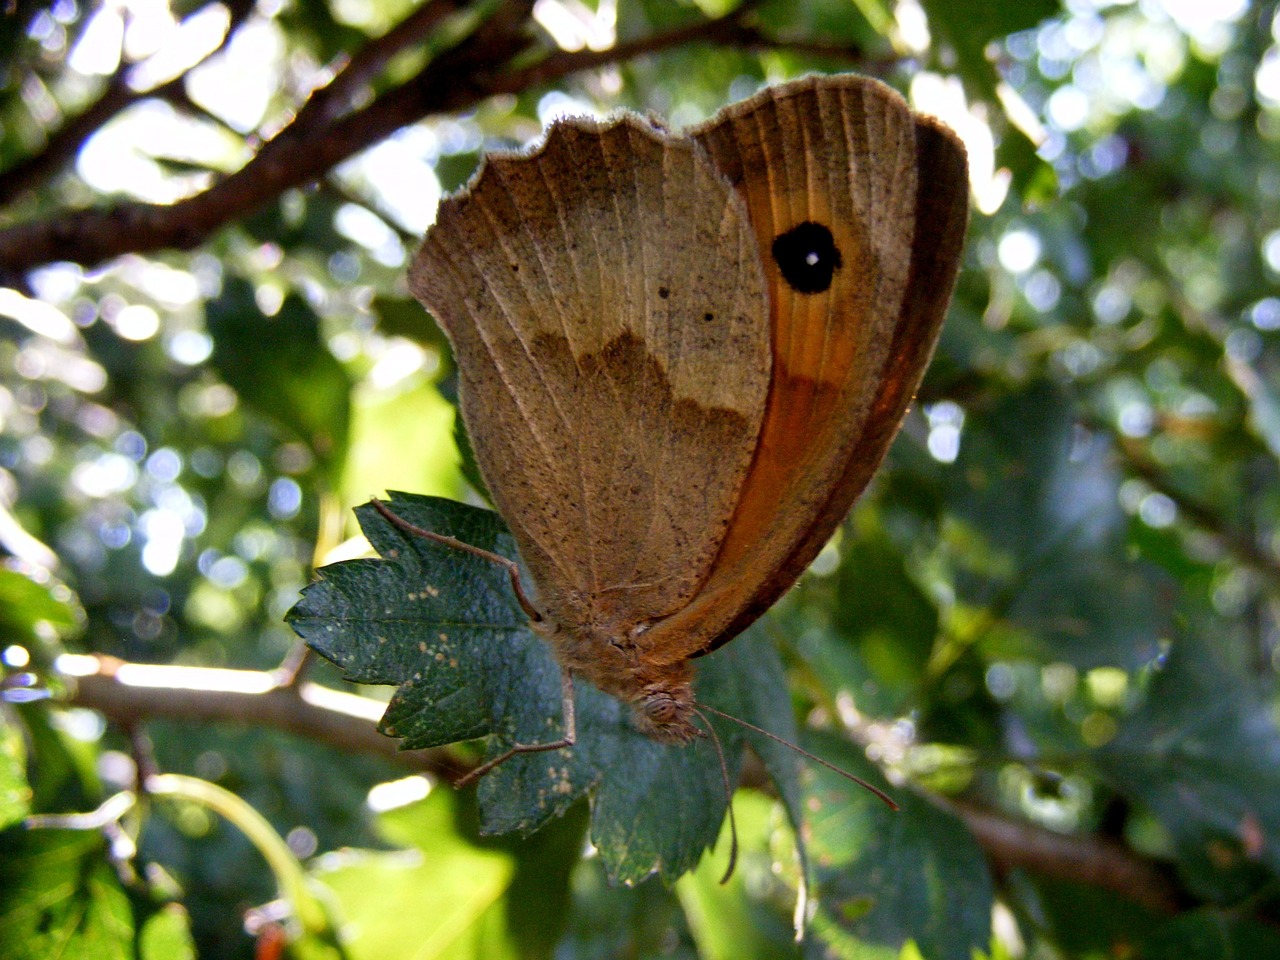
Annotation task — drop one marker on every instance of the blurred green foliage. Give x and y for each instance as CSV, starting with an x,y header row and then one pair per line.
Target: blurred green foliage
x,y
1056,605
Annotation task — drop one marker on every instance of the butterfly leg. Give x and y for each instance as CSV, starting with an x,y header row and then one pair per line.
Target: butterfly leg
x,y
568,740
513,570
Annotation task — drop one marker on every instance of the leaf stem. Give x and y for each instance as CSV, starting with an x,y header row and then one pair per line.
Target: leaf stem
x,y
295,886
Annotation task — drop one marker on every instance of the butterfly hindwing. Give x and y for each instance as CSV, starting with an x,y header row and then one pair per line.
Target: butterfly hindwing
x,y
859,207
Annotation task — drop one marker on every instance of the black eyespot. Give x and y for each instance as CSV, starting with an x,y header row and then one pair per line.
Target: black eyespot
x,y
807,256
708,317
663,292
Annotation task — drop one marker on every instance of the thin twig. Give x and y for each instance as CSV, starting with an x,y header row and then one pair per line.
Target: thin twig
x,y
63,145
1089,860
453,543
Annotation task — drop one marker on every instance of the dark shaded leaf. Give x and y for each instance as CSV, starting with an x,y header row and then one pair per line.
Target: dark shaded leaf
x,y
1209,935
1054,908
280,367
888,877
453,170
968,28
645,923
891,622
1207,764
1040,497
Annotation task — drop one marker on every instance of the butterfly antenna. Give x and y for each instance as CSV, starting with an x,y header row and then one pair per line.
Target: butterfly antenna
x,y
889,801
513,570
728,795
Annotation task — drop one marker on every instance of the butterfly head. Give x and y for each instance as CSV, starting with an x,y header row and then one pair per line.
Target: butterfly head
x,y
665,710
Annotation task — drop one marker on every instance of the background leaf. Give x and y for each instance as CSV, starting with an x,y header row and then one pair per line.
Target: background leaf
x,y
939,887
15,792
1206,767
58,897
446,884
308,393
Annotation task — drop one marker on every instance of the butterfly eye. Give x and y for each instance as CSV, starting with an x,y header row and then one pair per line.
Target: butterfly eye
x,y
660,709
807,256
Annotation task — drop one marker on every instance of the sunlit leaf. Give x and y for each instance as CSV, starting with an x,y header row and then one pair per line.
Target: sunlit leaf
x,y
60,897
25,604
733,920
166,935
445,884
15,792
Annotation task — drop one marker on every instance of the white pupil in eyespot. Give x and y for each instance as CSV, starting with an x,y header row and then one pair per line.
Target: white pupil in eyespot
x,y
811,258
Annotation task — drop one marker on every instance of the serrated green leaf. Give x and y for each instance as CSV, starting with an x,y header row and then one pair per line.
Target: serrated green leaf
x,y
446,627
428,618
887,878
1205,765
59,897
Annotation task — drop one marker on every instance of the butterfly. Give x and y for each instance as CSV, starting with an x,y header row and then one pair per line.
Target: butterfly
x,y
682,355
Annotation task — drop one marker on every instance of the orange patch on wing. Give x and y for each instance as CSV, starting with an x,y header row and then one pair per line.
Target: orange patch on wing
x,y
818,345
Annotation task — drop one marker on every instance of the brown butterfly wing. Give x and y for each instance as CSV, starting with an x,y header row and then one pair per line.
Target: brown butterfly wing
x,y
859,208
606,305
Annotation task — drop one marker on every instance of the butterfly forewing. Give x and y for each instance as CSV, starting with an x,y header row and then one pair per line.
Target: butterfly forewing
x,y
607,309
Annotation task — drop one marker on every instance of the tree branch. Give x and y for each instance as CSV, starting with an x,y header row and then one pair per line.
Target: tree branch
x,y
321,136
129,693
1090,860
299,154
118,96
